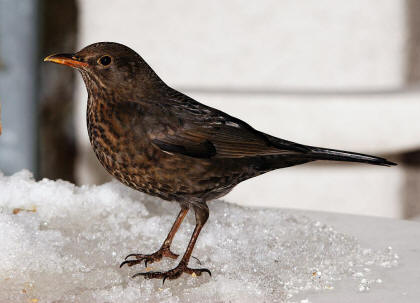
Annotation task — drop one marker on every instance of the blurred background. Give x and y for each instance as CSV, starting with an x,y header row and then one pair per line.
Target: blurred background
x,y
338,74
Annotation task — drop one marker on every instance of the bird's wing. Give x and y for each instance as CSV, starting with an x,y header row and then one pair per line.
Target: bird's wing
x,y
193,129
209,141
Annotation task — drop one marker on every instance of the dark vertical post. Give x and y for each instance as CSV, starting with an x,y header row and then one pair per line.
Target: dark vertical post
x,y
411,159
413,43
57,152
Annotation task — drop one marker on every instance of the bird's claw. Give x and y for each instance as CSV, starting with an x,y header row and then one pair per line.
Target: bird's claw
x,y
173,273
149,259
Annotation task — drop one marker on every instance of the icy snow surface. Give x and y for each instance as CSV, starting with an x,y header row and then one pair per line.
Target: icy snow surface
x,y
64,243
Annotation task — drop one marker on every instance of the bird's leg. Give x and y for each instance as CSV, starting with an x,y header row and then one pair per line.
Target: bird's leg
x,y
164,250
201,216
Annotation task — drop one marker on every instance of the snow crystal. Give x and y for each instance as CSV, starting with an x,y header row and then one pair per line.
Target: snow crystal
x,y
64,243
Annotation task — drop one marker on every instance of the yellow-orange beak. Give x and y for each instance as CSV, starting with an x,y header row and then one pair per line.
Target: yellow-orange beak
x,y
66,59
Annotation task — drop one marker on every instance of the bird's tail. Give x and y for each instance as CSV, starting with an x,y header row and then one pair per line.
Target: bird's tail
x,y
318,153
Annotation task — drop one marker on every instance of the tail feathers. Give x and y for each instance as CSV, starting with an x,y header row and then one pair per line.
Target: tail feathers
x,y
318,153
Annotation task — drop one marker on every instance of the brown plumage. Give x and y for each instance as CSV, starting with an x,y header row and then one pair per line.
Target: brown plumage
x,y
162,142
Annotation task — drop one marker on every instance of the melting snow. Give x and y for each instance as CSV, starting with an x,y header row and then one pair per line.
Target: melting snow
x,y
60,242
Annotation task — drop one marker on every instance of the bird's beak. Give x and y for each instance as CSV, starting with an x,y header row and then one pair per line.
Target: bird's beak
x,y
66,59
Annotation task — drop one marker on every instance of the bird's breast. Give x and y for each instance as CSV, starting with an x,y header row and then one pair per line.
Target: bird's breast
x,y
120,142
124,150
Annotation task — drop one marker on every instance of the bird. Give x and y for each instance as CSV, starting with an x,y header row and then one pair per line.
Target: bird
x,y
159,141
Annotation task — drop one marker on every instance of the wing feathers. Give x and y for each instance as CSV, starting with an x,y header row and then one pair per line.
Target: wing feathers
x,y
220,142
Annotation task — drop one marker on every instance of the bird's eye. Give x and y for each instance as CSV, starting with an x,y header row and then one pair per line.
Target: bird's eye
x,y
105,60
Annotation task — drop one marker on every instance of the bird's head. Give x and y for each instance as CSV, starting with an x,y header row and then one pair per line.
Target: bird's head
x,y
108,66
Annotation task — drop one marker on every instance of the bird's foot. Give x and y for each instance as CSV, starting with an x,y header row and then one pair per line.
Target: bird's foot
x,y
149,259
174,273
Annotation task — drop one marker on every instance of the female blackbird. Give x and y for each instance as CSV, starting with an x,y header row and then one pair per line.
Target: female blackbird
x,y
162,142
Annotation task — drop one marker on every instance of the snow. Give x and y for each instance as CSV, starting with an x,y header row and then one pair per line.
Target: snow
x,y
64,243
